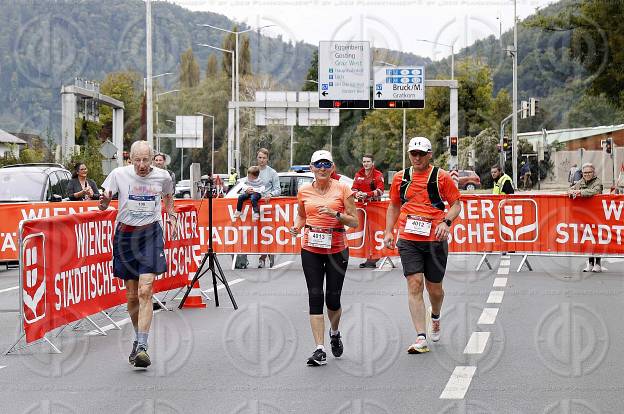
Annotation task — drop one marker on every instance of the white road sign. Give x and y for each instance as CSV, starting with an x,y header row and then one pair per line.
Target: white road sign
x,y
344,74
399,87
189,131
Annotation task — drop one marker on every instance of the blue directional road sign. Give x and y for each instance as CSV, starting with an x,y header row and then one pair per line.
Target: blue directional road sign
x,y
399,87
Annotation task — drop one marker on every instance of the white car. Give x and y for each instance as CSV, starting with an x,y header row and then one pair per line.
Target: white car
x,y
289,183
183,189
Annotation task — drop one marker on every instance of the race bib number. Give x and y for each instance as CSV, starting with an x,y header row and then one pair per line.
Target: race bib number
x,y
320,238
141,205
418,225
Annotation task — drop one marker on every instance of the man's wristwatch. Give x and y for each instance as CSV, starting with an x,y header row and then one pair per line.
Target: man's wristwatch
x,y
447,222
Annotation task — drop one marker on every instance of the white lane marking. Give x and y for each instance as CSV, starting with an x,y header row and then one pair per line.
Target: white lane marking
x,y
9,289
505,261
286,263
477,342
127,320
503,270
500,282
496,296
2,366
488,316
458,384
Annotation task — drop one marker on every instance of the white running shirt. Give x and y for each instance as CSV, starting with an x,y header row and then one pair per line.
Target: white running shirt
x,y
139,197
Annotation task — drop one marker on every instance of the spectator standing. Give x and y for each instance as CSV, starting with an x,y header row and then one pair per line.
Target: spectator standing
x,y
525,172
588,186
160,161
502,182
80,187
232,178
272,188
368,185
572,173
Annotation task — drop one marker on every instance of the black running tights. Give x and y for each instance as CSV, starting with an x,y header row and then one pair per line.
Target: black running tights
x,y
332,268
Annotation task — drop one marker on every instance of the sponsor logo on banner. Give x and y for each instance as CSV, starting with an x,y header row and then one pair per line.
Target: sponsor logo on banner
x,y
518,220
33,277
356,237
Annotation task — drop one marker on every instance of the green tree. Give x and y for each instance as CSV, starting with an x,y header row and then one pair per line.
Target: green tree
x,y
229,43
597,32
244,58
189,69
212,67
124,86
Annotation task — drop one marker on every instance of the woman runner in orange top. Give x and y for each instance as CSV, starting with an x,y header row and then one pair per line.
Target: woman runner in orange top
x,y
325,207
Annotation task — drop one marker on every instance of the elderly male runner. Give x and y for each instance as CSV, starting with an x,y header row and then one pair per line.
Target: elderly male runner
x,y
416,200
138,246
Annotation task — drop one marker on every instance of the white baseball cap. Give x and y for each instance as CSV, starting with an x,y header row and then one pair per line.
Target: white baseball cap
x,y
321,155
419,144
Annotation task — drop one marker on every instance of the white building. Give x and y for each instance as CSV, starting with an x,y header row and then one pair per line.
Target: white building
x,y
10,143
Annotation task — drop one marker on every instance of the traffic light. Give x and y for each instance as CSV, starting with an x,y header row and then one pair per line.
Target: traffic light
x,y
609,145
453,146
524,105
533,106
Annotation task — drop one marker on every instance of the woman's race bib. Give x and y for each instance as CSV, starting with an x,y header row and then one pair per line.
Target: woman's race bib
x,y
320,238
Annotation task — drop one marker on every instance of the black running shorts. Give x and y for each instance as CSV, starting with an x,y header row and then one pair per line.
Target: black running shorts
x,y
428,257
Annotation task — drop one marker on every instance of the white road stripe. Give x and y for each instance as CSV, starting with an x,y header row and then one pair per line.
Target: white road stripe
x,y
488,316
458,384
500,282
383,269
286,263
503,270
496,296
505,261
9,289
2,366
127,320
477,342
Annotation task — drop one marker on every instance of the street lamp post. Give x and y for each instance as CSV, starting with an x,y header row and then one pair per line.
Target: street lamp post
x,y
157,127
236,53
231,52
154,77
404,116
212,145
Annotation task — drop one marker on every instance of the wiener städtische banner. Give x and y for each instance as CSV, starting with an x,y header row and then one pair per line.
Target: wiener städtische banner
x,y
67,266
534,223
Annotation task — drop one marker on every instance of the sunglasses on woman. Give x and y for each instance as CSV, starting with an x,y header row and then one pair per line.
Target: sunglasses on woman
x,y
323,164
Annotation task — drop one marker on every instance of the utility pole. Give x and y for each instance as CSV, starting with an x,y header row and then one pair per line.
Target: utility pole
x,y
148,61
514,111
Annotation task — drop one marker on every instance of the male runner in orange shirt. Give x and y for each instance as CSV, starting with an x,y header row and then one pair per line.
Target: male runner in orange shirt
x,y
416,201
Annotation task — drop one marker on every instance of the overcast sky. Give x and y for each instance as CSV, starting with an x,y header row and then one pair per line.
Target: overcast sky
x,y
392,24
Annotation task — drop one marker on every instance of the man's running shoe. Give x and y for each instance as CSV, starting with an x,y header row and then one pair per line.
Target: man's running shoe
x,y
597,268
133,354
336,344
435,330
142,360
318,358
588,268
418,347
261,264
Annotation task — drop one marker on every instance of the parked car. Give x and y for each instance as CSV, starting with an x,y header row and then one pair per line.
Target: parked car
x,y
33,182
289,183
300,168
183,189
469,180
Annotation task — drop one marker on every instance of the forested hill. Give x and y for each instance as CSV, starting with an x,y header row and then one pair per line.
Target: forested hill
x,y
44,44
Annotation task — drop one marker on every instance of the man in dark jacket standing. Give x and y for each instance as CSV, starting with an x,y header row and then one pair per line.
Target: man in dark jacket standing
x,y
368,185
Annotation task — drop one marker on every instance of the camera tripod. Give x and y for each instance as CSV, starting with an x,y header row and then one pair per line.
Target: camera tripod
x,y
211,258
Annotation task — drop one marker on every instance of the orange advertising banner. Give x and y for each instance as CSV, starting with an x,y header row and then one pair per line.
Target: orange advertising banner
x,y
532,223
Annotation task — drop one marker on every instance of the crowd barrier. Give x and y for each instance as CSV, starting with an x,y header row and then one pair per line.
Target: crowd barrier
x,y
531,224
66,270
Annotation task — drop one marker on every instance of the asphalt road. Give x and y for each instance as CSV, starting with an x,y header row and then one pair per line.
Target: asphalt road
x,y
550,341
